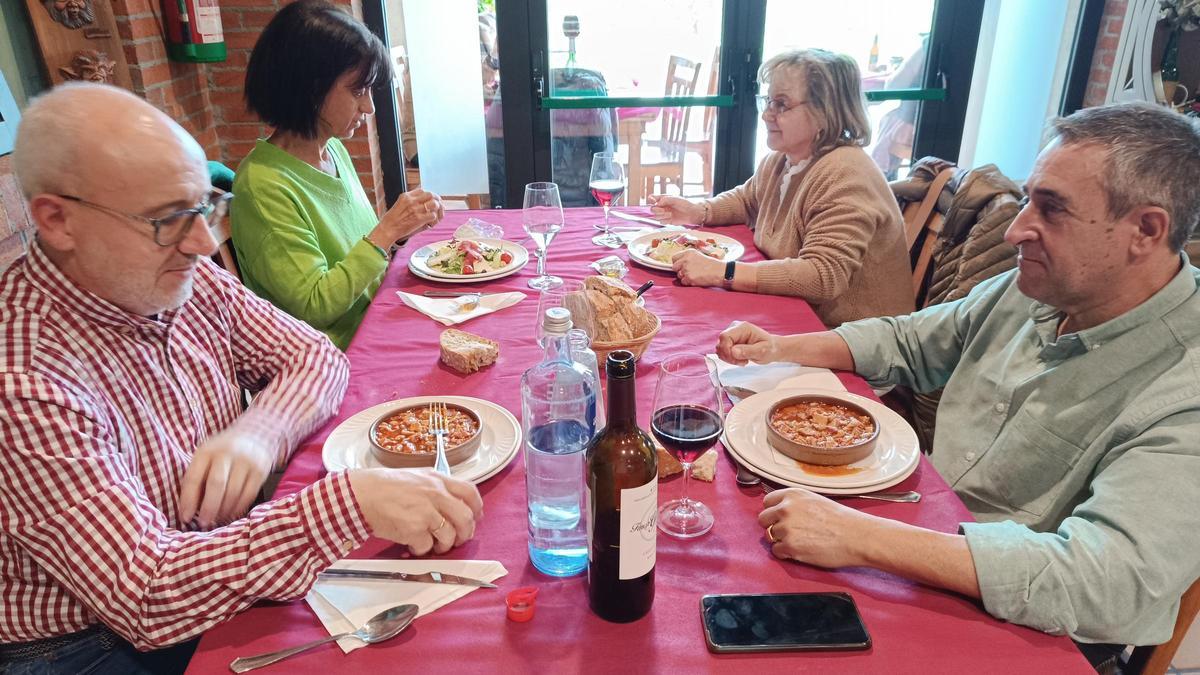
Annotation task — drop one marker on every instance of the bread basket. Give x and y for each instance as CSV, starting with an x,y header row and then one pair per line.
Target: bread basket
x,y
636,345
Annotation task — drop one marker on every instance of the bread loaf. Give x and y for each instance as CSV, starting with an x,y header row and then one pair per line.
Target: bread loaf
x,y
606,310
466,352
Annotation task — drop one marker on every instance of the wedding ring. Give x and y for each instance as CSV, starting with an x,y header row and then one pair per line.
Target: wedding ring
x,y
771,535
440,525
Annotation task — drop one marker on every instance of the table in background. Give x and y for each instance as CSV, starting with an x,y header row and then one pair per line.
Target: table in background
x,y
395,355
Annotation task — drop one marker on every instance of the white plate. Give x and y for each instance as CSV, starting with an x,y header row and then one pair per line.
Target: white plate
x,y
639,248
349,447
417,263
895,457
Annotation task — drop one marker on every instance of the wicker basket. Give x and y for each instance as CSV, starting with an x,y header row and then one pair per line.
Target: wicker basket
x,y
636,345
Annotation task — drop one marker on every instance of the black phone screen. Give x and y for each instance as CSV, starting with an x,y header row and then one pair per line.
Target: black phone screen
x,y
780,621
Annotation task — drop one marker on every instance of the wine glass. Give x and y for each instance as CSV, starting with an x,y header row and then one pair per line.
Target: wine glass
x,y
542,217
687,420
607,184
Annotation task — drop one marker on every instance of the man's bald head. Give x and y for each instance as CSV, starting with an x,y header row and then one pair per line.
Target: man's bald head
x,y
80,137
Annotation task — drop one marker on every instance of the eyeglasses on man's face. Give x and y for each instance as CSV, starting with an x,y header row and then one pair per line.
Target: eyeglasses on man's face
x,y
775,106
171,229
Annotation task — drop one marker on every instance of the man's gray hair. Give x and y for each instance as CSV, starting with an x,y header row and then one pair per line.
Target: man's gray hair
x,y
1153,158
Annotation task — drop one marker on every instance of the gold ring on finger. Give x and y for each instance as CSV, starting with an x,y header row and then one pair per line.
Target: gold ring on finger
x,y
440,525
771,535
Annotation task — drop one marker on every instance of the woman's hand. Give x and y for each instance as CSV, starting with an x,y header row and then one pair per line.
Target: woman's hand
x,y
412,212
744,342
696,269
675,210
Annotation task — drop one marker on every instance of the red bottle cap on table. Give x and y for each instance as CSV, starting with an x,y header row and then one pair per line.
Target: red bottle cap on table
x,y
520,603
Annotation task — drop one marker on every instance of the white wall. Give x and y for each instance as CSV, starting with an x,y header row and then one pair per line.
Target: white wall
x,y
1020,71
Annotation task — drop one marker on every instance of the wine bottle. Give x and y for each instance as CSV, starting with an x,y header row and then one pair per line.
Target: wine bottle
x,y
622,496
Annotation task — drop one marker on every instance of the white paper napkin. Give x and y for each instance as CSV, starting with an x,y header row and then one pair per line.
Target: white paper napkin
x,y
343,605
767,376
449,312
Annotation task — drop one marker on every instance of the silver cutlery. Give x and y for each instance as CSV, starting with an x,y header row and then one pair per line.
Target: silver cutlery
x,y
736,394
439,428
638,219
383,626
422,577
747,478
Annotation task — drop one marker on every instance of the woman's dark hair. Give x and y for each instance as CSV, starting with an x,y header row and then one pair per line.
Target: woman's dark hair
x,y
301,53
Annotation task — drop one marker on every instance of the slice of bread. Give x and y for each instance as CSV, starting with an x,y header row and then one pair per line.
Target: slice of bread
x,y
667,464
705,468
613,288
466,352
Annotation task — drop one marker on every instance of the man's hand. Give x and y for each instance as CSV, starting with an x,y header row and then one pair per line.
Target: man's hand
x,y
696,269
813,529
225,475
421,509
744,342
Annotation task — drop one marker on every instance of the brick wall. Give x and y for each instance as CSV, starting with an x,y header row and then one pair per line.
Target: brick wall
x,y
14,218
1106,52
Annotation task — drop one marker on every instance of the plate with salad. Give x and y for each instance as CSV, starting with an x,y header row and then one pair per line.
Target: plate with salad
x,y
468,260
655,249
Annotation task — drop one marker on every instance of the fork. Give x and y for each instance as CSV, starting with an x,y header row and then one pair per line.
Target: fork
x,y
439,429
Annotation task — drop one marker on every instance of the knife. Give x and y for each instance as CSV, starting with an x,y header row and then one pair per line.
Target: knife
x,y
425,577
638,219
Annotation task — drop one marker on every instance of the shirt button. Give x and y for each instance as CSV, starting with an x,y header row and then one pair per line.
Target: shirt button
x,y
1000,408
970,456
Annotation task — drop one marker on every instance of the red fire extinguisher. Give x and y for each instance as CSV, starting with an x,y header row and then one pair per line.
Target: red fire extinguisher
x,y
193,29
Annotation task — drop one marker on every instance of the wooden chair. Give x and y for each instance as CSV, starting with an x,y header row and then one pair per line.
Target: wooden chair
x,y
1155,659
662,161
474,202
226,256
704,146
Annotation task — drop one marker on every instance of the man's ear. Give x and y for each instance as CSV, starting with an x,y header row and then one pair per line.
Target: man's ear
x,y
1153,229
49,213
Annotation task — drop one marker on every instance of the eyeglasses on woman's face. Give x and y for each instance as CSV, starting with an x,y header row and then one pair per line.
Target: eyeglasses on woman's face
x,y
171,229
776,106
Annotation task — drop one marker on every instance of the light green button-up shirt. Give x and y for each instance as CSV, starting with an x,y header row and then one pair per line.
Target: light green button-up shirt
x,y
1079,454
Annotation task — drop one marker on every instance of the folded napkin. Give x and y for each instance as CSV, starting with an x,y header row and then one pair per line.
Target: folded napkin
x,y
767,376
343,605
448,311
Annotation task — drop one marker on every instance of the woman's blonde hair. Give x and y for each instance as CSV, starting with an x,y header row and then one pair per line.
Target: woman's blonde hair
x,y
834,94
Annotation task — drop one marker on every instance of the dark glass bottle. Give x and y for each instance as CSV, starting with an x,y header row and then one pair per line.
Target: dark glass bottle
x,y
622,492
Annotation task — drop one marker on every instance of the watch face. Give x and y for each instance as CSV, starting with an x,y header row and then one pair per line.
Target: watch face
x,y
729,270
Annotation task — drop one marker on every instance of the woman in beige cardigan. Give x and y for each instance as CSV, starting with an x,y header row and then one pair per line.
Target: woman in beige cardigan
x,y
820,209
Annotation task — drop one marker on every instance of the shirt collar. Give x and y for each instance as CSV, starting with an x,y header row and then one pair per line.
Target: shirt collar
x,y
790,171
46,276
1046,318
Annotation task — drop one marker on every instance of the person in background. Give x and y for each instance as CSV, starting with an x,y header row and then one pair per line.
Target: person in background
x,y
306,236
127,464
819,207
1071,409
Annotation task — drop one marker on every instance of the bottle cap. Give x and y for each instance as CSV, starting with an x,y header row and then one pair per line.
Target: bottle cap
x,y
620,363
557,321
521,603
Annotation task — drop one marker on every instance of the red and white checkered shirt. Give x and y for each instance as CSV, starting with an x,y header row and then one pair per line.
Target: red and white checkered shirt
x,y
100,411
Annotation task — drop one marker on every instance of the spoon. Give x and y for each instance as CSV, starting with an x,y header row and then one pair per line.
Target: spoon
x,y
747,478
466,301
383,626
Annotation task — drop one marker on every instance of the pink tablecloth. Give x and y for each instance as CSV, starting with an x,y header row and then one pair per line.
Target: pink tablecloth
x,y
395,354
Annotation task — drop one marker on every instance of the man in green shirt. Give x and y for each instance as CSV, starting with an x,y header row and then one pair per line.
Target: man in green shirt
x,y
1070,422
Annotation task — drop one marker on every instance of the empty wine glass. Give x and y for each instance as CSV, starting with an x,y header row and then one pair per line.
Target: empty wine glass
x,y
542,217
687,420
607,184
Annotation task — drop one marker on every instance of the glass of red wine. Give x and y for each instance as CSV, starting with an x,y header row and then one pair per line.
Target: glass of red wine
x,y
607,184
687,420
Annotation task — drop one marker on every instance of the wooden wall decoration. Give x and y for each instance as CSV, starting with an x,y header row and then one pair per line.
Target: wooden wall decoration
x,y
79,41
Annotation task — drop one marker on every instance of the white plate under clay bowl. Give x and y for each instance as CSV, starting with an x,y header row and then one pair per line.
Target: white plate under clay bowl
x,y
639,249
895,457
417,263
349,445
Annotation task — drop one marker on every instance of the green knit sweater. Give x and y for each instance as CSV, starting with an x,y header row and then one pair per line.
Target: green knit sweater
x,y
299,233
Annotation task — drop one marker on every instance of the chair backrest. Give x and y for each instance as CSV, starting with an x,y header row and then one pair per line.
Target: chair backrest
x,y
226,257
714,85
473,201
682,76
1155,659
922,225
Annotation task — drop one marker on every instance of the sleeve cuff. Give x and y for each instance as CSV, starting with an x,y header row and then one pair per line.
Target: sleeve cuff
x,y
869,360
1002,565
335,522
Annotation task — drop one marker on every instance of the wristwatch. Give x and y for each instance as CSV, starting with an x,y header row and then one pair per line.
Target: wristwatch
x,y
729,269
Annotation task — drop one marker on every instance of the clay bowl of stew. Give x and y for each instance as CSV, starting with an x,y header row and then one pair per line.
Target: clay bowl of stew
x,y
400,438
822,430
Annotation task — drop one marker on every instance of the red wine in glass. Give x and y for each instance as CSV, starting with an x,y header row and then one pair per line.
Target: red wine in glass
x,y
686,431
607,191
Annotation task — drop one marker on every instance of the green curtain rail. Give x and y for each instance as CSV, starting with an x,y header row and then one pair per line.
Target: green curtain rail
x,y
581,99
878,95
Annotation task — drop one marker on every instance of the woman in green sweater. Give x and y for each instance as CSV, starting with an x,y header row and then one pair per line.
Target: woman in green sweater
x,y
306,236
820,209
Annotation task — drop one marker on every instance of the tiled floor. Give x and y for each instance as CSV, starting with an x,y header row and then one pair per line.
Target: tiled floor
x,y
1187,658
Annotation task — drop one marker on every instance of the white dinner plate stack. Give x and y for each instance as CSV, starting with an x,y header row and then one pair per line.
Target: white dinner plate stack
x,y
895,457
639,248
418,263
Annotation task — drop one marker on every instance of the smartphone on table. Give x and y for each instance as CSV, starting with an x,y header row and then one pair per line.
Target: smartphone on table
x,y
781,622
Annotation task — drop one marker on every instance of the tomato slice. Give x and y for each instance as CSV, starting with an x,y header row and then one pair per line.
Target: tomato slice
x,y
655,242
505,258
468,268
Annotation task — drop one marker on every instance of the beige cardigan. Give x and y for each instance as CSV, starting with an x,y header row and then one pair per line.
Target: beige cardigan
x,y
836,238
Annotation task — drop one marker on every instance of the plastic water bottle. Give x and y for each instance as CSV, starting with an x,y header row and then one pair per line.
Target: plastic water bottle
x,y
581,353
558,417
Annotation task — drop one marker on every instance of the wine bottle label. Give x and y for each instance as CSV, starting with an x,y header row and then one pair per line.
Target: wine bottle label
x,y
639,529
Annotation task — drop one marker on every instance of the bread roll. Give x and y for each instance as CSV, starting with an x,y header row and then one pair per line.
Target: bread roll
x,y
466,352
